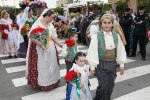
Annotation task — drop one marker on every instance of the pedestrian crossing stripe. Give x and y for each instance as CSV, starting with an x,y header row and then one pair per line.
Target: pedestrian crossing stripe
x,y
23,67
57,94
142,94
15,60
22,81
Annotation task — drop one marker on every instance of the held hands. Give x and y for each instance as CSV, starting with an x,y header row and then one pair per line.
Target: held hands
x,y
92,72
121,70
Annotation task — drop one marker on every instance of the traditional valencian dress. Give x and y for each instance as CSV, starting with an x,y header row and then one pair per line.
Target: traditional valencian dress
x,y
105,51
3,49
82,93
6,26
24,45
43,66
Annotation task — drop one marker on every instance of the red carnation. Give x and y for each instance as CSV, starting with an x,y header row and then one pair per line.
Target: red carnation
x,y
37,30
22,30
56,25
70,43
70,75
4,36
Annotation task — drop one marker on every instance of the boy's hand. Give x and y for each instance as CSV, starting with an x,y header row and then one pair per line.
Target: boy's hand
x,y
121,70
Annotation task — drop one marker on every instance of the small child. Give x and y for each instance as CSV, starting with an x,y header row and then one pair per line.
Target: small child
x,y
79,91
69,52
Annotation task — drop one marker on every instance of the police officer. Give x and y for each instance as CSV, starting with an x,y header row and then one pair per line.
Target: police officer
x,y
140,32
125,22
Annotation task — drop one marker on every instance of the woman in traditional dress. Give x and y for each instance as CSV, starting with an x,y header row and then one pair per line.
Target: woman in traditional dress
x,y
6,27
24,45
43,66
3,49
105,51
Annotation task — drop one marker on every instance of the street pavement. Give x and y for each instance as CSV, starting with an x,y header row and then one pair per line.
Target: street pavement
x,y
133,85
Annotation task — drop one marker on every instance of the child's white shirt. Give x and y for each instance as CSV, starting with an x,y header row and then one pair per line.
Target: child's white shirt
x,y
84,71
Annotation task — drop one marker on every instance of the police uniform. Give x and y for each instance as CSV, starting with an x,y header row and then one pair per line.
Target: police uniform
x,y
125,23
140,32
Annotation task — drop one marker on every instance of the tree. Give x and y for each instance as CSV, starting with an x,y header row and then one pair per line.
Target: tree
x,y
59,10
107,7
120,7
146,3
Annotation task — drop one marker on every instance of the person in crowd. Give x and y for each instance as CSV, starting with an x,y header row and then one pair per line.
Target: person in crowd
x,y
112,12
3,49
71,27
28,24
91,17
72,20
131,32
105,51
64,30
117,17
42,57
21,19
69,52
140,32
79,91
6,28
125,22
78,21
64,18
84,25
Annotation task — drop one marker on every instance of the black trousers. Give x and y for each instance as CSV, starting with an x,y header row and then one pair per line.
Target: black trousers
x,y
127,37
69,66
141,39
106,75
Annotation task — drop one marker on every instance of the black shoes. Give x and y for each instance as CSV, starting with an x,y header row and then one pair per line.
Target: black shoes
x,y
15,56
143,58
131,55
9,56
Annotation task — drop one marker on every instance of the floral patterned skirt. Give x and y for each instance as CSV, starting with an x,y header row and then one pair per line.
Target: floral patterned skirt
x,y
33,72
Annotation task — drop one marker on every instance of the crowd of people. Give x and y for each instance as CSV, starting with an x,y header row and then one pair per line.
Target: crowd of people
x,y
110,39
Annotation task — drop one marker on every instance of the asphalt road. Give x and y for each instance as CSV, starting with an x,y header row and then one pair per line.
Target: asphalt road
x,y
133,85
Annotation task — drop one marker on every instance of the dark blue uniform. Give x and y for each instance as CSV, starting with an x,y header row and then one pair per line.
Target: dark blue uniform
x,y
140,33
125,23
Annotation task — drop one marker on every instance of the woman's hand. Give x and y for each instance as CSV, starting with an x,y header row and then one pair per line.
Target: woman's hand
x,y
40,44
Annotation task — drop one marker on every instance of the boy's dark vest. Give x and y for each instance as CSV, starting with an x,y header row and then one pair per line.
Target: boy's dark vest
x,y
71,54
101,43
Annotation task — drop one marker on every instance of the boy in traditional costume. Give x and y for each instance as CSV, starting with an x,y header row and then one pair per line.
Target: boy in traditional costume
x,y
105,51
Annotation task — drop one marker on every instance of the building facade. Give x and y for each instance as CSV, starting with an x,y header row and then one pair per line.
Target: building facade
x,y
133,4
59,3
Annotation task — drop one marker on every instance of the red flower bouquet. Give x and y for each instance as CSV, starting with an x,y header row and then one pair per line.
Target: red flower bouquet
x,y
70,43
40,34
23,31
71,75
4,36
